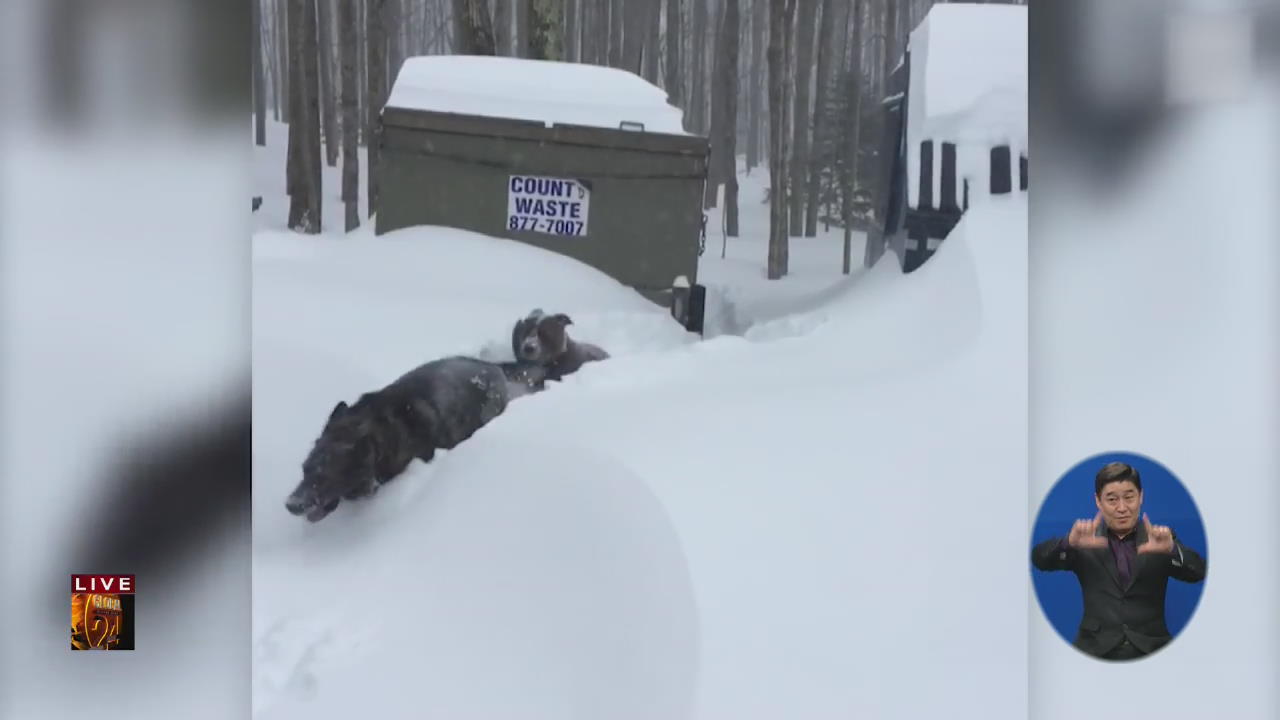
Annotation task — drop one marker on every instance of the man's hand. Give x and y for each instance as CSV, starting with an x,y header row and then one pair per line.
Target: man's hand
x,y
1083,534
1159,538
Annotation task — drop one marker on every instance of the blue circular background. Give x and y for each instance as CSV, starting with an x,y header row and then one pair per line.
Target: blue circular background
x,y
1164,500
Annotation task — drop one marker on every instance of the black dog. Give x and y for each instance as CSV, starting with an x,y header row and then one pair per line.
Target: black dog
x,y
542,339
437,405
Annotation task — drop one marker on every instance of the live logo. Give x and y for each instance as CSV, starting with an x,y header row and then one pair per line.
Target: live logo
x,y
117,584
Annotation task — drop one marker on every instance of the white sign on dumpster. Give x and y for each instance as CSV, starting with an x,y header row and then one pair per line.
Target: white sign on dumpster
x,y
552,206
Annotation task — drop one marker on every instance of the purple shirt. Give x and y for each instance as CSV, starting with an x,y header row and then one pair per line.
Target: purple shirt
x,y
1125,552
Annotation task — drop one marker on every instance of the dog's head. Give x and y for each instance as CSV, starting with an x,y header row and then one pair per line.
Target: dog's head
x,y
342,459
540,338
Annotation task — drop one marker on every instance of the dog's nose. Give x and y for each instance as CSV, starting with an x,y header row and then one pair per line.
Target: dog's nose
x,y
295,505
529,348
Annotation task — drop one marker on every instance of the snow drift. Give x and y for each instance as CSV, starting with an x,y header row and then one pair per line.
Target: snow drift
x,y
689,529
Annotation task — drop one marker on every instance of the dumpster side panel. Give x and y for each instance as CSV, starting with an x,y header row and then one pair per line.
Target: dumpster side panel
x,y
644,216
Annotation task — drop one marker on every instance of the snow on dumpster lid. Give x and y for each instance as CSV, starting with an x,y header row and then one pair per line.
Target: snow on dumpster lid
x,y
555,93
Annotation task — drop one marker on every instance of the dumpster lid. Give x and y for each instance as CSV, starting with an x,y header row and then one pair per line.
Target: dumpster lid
x,y
553,93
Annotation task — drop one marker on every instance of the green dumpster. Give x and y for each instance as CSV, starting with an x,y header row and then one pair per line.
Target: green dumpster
x,y
625,200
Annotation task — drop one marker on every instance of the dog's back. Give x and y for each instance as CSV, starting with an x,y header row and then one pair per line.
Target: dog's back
x,y
455,396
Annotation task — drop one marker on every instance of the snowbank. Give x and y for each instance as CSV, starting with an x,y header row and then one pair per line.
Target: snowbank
x,y
472,591
554,93
685,530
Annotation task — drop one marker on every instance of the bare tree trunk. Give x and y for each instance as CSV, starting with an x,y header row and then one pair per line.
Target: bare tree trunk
x,y
615,32
271,56
350,118
891,38
780,13
698,91
304,132
328,97
259,79
819,151
362,69
404,20
472,29
572,33
545,32
715,172
762,81
652,39
284,28
522,28
294,161
502,27
311,75
674,75
587,27
753,87
800,141
728,46
633,34
376,63
393,18
851,138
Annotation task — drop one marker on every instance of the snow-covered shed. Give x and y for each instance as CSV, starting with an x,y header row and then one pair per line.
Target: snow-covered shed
x,y
956,123
588,161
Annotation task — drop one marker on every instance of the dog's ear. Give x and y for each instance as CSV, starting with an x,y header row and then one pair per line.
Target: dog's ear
x,y
535,313
338,409
562,319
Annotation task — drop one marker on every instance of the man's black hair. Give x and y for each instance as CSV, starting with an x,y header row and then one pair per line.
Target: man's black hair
x,y
1116,472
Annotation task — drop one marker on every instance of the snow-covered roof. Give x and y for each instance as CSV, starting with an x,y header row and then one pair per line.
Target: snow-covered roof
x,y
962,56
968,85
555,93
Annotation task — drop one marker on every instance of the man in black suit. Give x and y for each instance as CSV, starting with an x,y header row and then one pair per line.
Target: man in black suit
x,y
1123,566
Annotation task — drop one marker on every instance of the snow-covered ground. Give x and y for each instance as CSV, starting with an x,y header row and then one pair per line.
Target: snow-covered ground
x,y
761,524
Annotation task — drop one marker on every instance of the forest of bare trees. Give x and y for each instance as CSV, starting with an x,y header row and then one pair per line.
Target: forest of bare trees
x,y
795,85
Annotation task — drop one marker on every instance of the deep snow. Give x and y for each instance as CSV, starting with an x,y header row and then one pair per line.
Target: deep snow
x,y
689,529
